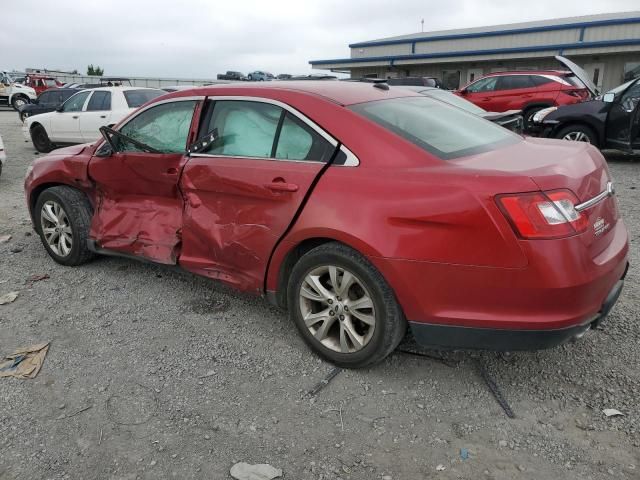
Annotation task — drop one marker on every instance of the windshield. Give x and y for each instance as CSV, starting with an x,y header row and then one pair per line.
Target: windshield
x,y
453,99
135,98
436,127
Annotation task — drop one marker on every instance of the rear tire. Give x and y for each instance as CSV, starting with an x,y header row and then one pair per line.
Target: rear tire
x,y
343,307
40,139
578,133
63,218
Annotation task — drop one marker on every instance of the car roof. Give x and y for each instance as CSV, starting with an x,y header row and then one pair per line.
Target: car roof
x,y
343,93
561,73
120,89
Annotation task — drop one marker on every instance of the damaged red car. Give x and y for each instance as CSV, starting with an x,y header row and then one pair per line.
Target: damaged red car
x,y
361,208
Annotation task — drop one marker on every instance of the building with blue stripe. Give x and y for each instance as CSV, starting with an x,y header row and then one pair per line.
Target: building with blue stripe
x,y
607,46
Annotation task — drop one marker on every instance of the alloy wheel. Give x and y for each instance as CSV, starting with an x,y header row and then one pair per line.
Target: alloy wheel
x,y
337,308
19,102
56,228
577,137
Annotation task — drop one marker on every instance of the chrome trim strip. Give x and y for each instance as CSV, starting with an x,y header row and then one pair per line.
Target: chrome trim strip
x,y
608,192
209,155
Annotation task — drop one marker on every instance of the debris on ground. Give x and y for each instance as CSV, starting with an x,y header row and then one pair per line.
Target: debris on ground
x,y
37,278
25,362
262,471
495,390
5,238
440,468
324,382
612,412
8,297
464,453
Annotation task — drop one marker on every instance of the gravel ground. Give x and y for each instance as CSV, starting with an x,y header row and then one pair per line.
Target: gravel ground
x,y
153,373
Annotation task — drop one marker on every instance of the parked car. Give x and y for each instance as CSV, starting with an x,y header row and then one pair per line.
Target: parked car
x,y
115,82
3,155
416,82
388,210
231,75
14,94
314,76
511,120
284,76
609,121
530,91
40,83
78,119
259,76
47,101
177,88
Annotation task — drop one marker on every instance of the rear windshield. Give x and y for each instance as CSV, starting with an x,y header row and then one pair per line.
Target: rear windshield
x,y
455,100
436,127
135,98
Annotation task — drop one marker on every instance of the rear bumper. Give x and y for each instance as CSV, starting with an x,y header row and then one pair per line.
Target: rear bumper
x,y
468,338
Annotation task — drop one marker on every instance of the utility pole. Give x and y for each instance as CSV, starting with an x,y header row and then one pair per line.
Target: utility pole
x,y
422,22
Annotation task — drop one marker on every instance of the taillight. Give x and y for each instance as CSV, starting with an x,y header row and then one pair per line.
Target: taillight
x,y
543,215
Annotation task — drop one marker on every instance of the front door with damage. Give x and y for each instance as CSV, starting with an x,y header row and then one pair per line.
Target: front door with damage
x,y
138,204
243,191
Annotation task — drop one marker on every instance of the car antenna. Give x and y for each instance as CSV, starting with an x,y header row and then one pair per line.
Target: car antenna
x,y
381,85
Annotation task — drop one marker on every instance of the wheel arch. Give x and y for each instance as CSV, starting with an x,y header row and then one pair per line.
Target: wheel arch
x,y
36,191
289,252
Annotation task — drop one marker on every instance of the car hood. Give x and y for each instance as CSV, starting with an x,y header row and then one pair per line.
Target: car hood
x,y
68,151
582,108
580,73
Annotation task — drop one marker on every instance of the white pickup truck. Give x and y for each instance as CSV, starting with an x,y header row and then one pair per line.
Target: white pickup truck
x,y
14,94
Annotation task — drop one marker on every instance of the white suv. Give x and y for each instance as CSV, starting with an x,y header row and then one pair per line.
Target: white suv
x,y
14,94
79,119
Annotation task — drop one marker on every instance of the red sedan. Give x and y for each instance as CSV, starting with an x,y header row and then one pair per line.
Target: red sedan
x,y
360,208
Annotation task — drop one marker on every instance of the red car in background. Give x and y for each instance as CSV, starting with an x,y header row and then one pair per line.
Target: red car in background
x,y
530,91
40,83
360,208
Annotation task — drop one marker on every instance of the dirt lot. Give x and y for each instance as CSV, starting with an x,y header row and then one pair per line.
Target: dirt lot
x,y
153,373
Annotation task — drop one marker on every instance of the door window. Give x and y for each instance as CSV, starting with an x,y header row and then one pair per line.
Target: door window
x,y
297,141
483,85
75,103
46,98
164,128
99,100
245,129
512,82
630,98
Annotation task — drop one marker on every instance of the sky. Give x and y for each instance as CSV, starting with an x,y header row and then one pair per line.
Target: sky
x,y
200,38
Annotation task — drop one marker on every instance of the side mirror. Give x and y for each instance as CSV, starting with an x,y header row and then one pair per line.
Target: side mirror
x,y
59,109
608,97
104,151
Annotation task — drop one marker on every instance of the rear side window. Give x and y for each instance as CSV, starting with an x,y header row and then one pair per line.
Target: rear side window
x,y
46,98
296,141
442,130
99,101
512,82
136,98
539,80
483,85
261,130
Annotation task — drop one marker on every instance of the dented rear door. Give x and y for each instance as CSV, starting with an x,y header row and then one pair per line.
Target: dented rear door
x,y
138,204
243,192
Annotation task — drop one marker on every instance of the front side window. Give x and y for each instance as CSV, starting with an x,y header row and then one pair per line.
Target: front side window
x,y
483,85
100,100
50,82
76,102
630,98
164,128
436,127
45,98
136,98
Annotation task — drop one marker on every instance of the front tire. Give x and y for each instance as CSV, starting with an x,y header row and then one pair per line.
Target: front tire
x,y
578,133
18,101
343,307
63,218
40,139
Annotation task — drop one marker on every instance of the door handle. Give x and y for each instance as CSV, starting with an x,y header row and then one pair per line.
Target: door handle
x,y
74,116
282,187
103,116
171,171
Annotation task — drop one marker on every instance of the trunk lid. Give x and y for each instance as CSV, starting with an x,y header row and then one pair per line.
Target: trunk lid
x,y
580,73
556,165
